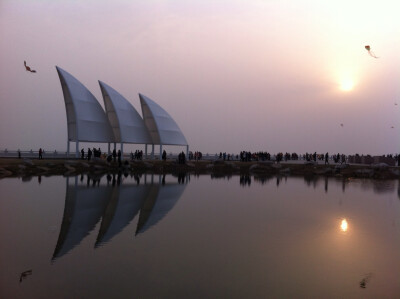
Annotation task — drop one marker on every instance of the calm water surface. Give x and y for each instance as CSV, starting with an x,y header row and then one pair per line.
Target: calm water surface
x,y
199,237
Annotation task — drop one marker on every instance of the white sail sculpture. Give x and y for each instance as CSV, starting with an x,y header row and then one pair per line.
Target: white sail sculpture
x,y
161,126
128,126
88,122
86,119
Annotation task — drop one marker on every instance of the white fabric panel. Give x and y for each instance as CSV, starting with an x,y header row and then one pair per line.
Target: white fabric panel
x,y
85,117
127,124
161,126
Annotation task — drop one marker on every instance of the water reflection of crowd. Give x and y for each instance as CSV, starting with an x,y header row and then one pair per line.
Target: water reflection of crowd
x,y
91,180
245,180
314,180
181,177
116,179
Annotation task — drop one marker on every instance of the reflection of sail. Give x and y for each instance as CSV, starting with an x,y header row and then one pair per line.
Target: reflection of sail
x,y
160,201
83,208
116,206
122,208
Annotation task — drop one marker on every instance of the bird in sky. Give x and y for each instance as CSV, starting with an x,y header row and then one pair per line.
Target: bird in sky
x,y
24,275
341,125
28,69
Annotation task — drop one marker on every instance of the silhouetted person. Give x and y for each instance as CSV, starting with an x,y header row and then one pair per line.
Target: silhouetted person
x,y
164,155
119,158
181,158
114,154
89,154
82,154
326,158
40,154
19,154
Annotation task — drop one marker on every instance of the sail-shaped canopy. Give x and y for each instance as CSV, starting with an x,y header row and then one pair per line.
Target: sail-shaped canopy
x,y
161,126
86,119
127,124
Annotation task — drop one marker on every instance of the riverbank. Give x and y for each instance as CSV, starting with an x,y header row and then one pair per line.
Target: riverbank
x,y
11,167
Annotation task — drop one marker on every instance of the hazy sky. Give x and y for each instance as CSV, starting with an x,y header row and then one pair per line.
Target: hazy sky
x,y
235,75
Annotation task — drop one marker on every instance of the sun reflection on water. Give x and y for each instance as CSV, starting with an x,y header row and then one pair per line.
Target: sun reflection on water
x,y
344,226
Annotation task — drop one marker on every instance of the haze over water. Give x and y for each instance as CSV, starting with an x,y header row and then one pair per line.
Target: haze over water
x,y
235,75
198,237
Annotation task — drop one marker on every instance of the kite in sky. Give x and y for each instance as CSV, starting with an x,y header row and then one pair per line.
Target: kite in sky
x,y
28,68
368,48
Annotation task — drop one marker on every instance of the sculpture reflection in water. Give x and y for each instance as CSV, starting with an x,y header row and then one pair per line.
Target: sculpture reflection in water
x,y
116,205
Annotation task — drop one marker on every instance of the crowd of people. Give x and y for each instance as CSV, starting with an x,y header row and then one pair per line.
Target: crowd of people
x,y
195,156
182,158
244,156
96,153
138,155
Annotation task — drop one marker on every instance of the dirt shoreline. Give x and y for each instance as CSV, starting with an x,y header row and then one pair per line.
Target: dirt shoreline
x,y
12,167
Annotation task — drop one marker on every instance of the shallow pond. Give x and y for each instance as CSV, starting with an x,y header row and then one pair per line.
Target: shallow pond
x,y
154,236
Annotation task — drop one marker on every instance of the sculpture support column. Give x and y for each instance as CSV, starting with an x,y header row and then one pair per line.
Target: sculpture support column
x,y
77,149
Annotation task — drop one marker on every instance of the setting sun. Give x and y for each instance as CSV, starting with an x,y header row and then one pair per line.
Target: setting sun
x,y
346,84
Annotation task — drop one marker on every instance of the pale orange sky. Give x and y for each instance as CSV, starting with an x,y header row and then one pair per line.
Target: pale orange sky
x,y
235,75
